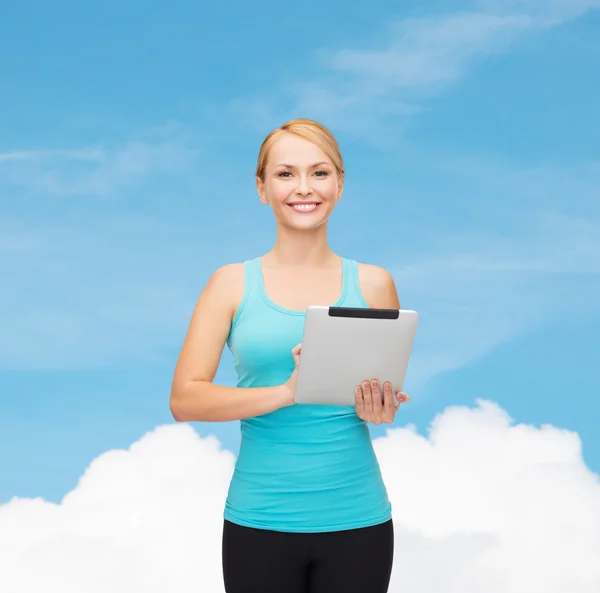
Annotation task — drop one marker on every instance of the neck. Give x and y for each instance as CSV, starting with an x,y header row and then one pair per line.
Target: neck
x,y
301,248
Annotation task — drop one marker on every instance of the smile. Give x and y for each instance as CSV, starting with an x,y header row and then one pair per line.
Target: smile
x,y
305,207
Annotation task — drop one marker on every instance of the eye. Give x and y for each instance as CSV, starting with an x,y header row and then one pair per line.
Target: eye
x,y
283,173
321,173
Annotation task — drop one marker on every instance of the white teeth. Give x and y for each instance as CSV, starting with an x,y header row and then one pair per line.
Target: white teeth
x,y
304,206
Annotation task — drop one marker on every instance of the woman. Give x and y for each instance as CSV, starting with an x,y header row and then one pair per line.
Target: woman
x,y
307,510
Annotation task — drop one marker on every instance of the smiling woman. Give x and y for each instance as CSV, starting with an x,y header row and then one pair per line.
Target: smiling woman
x,y
307,510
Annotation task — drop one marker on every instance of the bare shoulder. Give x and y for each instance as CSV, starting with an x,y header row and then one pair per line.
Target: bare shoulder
x,y
378,287
226,284
227,276
228,272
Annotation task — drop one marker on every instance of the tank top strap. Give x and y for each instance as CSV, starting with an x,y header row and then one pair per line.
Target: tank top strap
x,y
252,286
352,284
346,279
252,275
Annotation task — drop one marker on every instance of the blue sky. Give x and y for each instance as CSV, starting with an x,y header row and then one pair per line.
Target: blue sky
x,y
129,137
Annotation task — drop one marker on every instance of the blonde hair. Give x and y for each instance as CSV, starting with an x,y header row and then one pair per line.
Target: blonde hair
x,y
309,130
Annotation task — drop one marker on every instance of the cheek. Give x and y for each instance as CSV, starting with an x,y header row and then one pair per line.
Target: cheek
x,y
278,192
330,189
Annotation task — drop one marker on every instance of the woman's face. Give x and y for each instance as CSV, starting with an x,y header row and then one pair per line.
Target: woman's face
x,y
301,183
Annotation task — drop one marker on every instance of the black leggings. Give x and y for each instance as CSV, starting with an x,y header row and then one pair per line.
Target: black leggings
x,y
350,561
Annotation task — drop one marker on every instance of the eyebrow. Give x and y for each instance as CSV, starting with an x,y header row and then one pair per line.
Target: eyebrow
x,y
311,167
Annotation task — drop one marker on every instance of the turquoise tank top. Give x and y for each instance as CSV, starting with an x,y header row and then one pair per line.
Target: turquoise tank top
x,y
302,468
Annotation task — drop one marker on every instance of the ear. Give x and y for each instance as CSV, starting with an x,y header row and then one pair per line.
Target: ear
x,y
340,188
260,186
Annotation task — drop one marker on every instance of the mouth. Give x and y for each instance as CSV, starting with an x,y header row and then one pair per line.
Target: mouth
x,y
304,207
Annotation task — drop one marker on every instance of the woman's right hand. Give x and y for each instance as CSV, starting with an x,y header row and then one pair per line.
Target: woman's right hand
x,y
290,384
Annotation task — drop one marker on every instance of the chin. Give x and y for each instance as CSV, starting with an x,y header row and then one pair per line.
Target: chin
x,y
308,227
309,223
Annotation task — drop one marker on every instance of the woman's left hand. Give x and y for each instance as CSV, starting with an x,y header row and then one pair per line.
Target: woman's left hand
x,y
373,406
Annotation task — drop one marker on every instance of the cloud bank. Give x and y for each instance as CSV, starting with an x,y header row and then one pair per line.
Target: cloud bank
x,y
480,504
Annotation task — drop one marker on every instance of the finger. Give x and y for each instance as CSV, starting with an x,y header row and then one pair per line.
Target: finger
x,y
366,389
389,410
402,397
359,402
377,401
296,350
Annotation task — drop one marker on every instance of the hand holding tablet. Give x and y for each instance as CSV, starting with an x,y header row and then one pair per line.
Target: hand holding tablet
x,y
343,347
376,403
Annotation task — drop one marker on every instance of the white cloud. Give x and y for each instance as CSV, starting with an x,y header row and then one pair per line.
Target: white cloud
x,y
430,51
416,59
139,520
546,12
97,170
480,504
91,154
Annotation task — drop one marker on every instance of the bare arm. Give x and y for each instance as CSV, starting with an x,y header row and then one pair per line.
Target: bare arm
x,y
378,287
194,397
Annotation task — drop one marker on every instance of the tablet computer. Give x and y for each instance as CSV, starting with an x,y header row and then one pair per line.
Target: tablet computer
x,y
344,346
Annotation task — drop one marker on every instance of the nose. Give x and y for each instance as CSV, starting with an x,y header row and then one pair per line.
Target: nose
x,y
303,187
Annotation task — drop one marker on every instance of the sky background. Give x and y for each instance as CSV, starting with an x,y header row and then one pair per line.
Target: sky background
x,y
128,140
